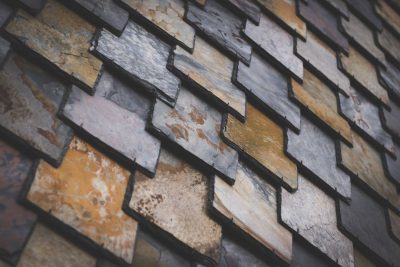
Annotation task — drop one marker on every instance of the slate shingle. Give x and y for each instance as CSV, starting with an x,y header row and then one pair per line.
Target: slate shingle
x,y
247,8
391,119
390,78
303,256
360,260
33,6
390,44
392,165
4,50
388,15
394,221
365,9
340,6
5,13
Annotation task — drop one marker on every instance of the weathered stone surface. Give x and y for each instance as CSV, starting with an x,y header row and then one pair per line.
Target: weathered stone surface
x,y
365,9
269,87
175,201
29,102
277,43
4,50
364,220
304,257
391,119
262,140
166,16
324,21
364,72
285,11
86,194
311,213
16,221
220,25
46,248
364,114
210,71
33,6
388,14
195,126
390,78
315,150
392,165
5,13
45,33
339,5
365,162
394,221
248,8
362,261
323,60
390,44
318,98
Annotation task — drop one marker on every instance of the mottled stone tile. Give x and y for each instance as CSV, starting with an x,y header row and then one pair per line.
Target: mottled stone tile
x,y
365,9
45,33
392,165
33,6
394,222
277,43
303,256
4,50
210,71
175,202
262,140
269,87
322,59
315,150
195,127
364,220
340,6
391,119
390,78
247,8
5,13
311,213
324,21
321,101
390,44
63,252
363,161
86,193
388,14
16,221
30,98
220,25
142,57
360,260
167,16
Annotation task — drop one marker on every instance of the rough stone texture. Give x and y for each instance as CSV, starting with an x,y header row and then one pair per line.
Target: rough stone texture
x,y
195,126
323,60
16,222
388,14
175,201
311,213
360,69
29,101
340,6
263,141
236,204
285,11
119,123
220,25
365,221
394,221
304,257
33,6
315,150
392,165
270,89
277,43
362,261
391,119
86,194
324,21
211,72
248,8
4,50
390,44
167,16
5,13
45,33
318,98
365,9
365,162
46,248
390,78
142,57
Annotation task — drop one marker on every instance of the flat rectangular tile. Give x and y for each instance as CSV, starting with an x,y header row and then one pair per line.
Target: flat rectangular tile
x,y
248,8
390,78
392,165
389,15
390,44
391,119
365,9
340,6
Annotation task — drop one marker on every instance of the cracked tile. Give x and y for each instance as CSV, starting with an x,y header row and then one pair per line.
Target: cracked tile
x,y
247,8
365,10
392,165
390,78
390,44
391,119
388,14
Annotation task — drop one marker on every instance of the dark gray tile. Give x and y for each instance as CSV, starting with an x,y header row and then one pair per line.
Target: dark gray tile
x,y
390,44
390,78
365,9
340,6
4,50
391,119
248,8
392,165
304,257
5,13
33,6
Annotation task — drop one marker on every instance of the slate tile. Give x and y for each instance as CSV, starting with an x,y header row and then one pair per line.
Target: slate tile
x,y
364,72
315,96
324,21
322,59
285,12
4,264
390,78
364,162
340,6
167,16
33,6
4,50
394,222
210,71
269,87
220,25
16,221
364,115
235,204
63,252
30,98
391,119
388,15
247,8
304,257
364,221
6,12
392,165
312,214
277,43
262,140
195,127
85,194
365,10
44,35
390,44
360,260
175,203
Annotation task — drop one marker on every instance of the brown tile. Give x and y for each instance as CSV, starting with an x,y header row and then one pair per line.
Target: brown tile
x,y
394,221
361,261
69,55
175,201
262,140
390,44
86,194
388,14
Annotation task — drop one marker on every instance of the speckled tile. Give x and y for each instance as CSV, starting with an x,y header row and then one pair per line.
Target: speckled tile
x,y
365,9
340,6
388,14
247,8
392,165
391,119
390,44
390,78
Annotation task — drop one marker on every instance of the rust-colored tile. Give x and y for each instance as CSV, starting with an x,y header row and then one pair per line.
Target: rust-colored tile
x,y
388,14
45,34
263,141
390,44
175,201
394,221
86,193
